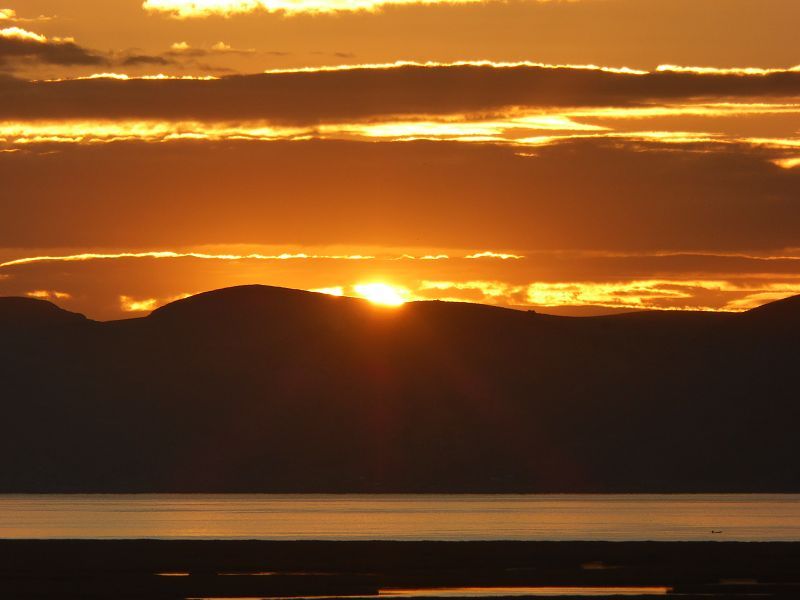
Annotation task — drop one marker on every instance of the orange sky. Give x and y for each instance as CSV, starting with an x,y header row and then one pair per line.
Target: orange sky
x,y
619,154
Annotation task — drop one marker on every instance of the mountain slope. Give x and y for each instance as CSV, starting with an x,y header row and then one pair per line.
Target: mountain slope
x,y
30,312
267,389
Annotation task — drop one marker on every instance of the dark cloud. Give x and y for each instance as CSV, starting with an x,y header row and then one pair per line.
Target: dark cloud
x,y
138,60
585,195
336,54
187,58
362,93
65,53
16,52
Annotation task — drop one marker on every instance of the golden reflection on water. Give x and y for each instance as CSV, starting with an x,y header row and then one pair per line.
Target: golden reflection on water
x,y
496,592
483,592
403,517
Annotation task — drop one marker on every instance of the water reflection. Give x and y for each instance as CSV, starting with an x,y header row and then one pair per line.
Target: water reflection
x,y
496,592
422,517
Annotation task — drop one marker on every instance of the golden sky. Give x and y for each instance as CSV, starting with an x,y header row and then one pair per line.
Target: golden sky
x,y
576,156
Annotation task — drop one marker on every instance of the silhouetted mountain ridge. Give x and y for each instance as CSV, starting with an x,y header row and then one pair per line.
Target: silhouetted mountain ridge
x,y
781,312
267,389
28,312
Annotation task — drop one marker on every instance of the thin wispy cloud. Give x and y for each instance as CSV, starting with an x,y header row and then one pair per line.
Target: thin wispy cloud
x,y
169,254
188,9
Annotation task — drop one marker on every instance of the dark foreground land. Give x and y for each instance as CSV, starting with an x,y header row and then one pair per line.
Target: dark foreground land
x,y
259,389
121,570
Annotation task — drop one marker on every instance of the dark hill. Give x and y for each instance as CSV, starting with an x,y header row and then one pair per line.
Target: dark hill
x,y
779,314
267,389
30,312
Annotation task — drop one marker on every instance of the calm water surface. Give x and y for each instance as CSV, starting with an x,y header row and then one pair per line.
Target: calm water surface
x,y
404,517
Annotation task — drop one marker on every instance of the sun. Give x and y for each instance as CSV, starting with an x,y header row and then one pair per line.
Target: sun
x,y
382,293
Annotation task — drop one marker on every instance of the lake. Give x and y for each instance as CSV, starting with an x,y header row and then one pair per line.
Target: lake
x,y
623,517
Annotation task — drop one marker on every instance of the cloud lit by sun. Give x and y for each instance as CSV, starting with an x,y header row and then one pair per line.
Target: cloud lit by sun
x,y
382,293
185,9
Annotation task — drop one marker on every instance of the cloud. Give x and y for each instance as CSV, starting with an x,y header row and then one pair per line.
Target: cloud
x,y
184,9
126,77
17,33
578,195
170,254
336,54
183,50
9,15
399,64
253,256
20,47
189,9
746,71
18,44
500,255
138,60
222,47
128,304
146,305
524,131
491,291
788,163
48,295
330,291
731,294
723,124
364,93
180,54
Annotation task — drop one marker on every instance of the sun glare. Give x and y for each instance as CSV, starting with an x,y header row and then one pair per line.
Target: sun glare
x,y
382,293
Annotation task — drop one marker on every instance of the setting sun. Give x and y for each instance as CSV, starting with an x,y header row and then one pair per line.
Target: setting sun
x,y
382,293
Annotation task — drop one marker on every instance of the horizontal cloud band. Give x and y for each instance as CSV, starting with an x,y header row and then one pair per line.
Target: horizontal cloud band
x,y
86,256
311,97
186,9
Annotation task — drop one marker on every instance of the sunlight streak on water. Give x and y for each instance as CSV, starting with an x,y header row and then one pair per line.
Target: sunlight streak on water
x,y
508,592
494,592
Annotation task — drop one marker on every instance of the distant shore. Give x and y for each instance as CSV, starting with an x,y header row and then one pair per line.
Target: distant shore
x,y
160,569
